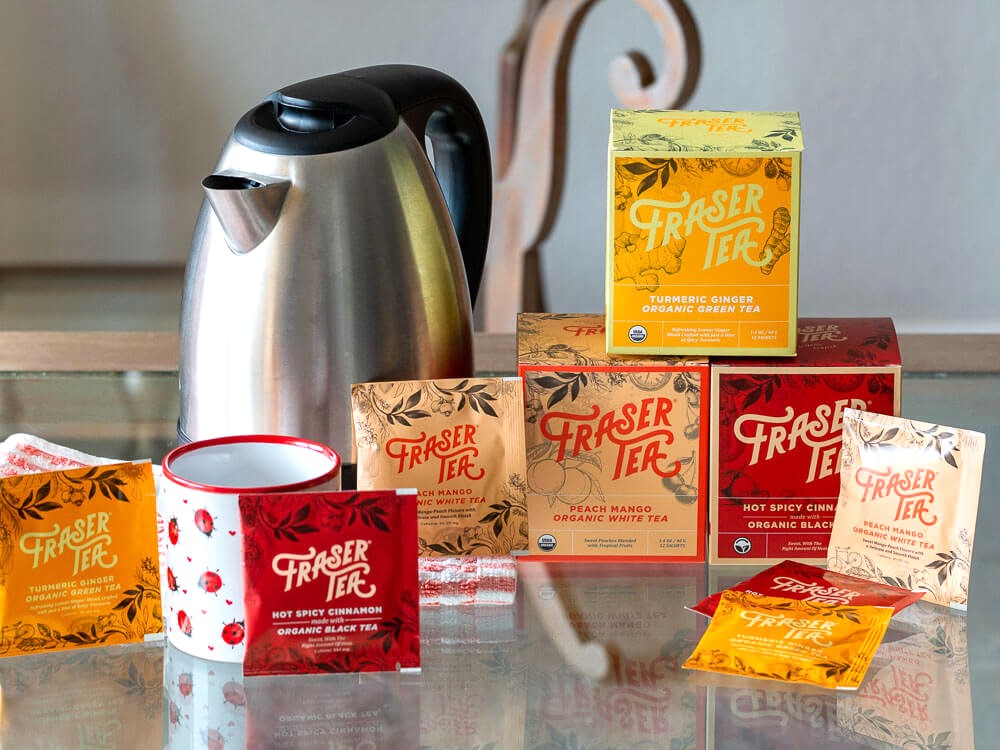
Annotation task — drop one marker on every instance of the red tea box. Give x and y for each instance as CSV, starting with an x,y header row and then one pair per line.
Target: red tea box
x,y
776,437
615,445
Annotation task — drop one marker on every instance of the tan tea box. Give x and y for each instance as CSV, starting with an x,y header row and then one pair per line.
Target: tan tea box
x,y
703,228
616,446
776,437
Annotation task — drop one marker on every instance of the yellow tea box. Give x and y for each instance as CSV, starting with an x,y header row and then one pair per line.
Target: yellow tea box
x,y
616,448
703,228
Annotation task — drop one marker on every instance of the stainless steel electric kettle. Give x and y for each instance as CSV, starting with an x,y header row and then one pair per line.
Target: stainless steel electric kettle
x,y
330,251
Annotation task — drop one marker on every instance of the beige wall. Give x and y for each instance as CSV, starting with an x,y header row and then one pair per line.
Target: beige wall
x,y
113,110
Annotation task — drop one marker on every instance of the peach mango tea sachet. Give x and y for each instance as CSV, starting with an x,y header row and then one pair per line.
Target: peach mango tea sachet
x,y
460,444
909,496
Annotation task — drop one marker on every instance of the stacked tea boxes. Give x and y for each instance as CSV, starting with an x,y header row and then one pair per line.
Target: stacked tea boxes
x,y
621,408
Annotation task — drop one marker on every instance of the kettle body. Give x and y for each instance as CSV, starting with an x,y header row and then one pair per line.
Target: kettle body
x,y
330,251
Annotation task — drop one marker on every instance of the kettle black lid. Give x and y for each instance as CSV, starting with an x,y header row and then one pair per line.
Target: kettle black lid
x,y
322,115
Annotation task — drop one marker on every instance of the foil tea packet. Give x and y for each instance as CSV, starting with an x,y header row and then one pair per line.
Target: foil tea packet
x,y
21,453
909,496
330,581
797,580
772,638
78,558
460,443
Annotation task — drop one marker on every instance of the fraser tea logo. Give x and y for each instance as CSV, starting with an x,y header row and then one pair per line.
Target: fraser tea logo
x,y
730,219
454,448
640,432
581,330
710,124
87,539
906,690
780,434
814,592
911,489
345,567
812,334
819,632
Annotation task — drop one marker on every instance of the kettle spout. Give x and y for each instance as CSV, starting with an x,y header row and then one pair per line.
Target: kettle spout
x,y
246,205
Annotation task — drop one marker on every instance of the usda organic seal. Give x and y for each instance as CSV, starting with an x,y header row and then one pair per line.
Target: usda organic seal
x,y
637,334
546,542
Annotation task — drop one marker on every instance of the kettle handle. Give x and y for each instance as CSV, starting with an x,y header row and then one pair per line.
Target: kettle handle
x,y
435,105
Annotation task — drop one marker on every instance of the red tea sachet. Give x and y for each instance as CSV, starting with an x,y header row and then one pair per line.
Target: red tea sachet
x,y
796,580
331,582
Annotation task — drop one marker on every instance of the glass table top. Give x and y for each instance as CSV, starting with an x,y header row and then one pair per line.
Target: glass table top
x,y
587,658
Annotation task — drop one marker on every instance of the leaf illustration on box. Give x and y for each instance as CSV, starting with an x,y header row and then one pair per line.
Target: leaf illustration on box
x,y
946,563
501,515
747,390
133,600
104,481
736,487
779,169
876,439
879,341
558,385
649,172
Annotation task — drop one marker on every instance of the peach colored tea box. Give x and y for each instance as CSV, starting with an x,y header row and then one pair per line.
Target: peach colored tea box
x,y
616,446
703,227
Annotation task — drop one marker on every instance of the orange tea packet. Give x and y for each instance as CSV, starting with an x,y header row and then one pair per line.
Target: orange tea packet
x,y
460,443
789,640
909,495
78,558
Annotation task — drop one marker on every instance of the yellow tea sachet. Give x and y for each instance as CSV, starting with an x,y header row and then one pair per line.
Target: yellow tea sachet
x,y
460,444
909,496
793,641
78,558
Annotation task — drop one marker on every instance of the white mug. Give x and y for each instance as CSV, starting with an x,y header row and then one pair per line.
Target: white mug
x,y
199,517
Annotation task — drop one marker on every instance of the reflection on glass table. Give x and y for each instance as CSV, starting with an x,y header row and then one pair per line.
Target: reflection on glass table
x,y
522,676
588,657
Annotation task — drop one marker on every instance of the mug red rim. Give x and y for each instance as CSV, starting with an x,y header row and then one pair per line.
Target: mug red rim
x,y
256,438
